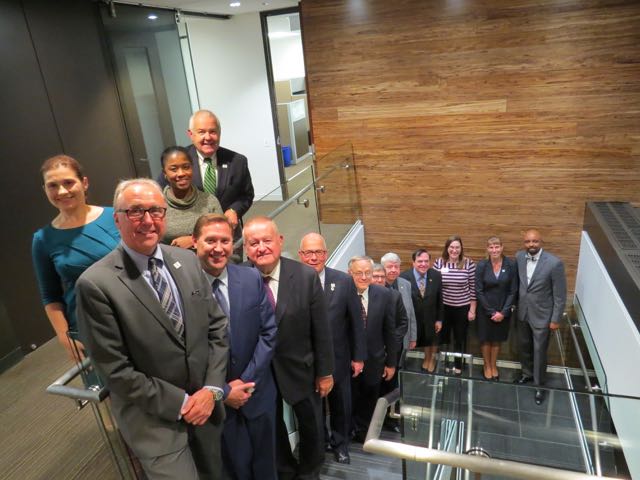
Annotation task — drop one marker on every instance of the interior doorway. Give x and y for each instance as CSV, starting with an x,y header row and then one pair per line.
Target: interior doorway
x,y
287,83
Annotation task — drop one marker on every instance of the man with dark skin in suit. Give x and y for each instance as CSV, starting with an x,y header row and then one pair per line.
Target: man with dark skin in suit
x,y
541,300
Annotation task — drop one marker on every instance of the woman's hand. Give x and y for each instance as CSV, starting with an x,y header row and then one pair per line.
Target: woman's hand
x,y
186,241
497,317
438,327
471,315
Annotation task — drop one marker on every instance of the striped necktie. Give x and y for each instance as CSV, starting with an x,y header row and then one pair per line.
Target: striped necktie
x,y
363,310
210,177
422,286
272,299
165,295
217,292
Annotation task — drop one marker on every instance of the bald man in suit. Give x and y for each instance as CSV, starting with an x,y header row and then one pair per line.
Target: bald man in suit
x,y
541,300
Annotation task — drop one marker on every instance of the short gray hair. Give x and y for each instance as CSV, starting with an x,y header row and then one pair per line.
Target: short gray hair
x,y
378,267
359,258
207,113
390,257
124,184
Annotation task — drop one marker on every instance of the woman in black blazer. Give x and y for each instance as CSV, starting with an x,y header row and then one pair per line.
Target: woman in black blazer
x,y
496,287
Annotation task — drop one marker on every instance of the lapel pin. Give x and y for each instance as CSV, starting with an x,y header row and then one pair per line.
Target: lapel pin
x,y
177,265
333,287
195,292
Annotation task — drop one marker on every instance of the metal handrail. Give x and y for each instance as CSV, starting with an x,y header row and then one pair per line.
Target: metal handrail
x,y
476,464
94,394
281,208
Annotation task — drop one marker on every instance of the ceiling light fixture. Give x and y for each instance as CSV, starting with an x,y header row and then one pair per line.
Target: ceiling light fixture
x,y
234,4
152,16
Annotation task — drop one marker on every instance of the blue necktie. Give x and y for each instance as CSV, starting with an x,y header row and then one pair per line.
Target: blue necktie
x,y
165,295
217,292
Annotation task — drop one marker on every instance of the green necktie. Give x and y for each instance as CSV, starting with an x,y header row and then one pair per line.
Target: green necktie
x,y
210,175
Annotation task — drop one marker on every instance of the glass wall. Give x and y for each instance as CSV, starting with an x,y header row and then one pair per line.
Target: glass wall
x,y
152,84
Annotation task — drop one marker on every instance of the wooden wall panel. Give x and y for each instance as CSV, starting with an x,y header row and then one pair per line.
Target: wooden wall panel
x,y
478,117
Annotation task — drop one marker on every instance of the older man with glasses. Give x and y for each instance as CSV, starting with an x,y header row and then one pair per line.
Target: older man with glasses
x,y
378,317
158,339
349,347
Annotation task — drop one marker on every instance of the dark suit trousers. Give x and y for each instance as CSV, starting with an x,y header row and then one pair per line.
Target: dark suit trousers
x,y
364,397
339,400
311,440
204,442
248,446
533,344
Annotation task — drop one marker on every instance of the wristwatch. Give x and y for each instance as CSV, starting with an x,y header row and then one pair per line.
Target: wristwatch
x,y
218,393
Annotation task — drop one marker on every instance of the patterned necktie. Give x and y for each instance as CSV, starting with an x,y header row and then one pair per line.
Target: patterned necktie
x,y
210,177
165,295
363,310
421,286
217,292
270,296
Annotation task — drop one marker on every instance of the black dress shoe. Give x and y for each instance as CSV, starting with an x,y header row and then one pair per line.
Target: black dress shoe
x,y
359,437
539,397
342,457
523,379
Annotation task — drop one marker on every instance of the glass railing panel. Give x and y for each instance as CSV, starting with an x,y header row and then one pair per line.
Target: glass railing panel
x,y
570,430
295,216
339,203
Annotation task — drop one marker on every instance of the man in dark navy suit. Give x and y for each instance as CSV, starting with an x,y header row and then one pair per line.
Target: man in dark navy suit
x,y
218,170
349,342
303,362
248,439
378,316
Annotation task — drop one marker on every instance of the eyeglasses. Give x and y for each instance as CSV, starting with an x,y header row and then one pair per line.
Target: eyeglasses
x,y
379,276
137,213
309,253
362,274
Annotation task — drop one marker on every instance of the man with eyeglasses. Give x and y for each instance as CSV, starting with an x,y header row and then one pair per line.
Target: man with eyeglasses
x,y
158,339
349,347
378,317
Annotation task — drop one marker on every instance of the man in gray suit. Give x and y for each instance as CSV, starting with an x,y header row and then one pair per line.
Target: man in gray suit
x,y
158,339
542,297
391,263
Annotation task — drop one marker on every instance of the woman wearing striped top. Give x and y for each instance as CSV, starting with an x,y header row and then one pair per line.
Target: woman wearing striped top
x,y
458,295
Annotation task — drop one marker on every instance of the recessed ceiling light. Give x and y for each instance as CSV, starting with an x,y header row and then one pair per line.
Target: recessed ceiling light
x,y
152,16
234,4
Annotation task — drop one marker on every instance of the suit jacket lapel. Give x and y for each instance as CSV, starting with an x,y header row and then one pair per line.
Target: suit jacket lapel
x,y
132,278
521,260
536,273
183,288
224,172
235,302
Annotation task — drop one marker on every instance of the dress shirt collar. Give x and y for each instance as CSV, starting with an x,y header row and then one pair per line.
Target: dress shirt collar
x,y
223,277
536,257
275,273
142,261
365,295
417,276
214,157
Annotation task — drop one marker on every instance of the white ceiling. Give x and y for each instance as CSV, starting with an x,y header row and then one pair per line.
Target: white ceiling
x,y
218,6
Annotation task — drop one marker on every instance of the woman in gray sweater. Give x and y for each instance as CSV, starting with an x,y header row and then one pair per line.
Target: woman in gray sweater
x,y
184,201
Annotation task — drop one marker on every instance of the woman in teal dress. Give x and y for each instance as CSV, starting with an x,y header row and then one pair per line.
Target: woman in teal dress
x,y
76,238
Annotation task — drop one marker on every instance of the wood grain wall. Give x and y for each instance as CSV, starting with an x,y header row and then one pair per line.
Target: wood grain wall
x,y
478,117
